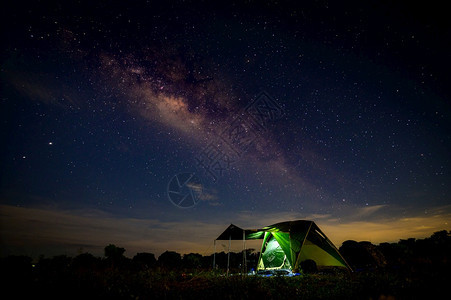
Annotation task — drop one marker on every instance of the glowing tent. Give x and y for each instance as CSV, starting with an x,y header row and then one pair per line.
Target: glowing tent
x,y
285,245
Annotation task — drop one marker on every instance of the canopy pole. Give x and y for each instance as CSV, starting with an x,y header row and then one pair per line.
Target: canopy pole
x,y
228,255
214,256
244,252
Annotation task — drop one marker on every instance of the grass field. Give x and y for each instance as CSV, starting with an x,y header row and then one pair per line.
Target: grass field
x,y
114,283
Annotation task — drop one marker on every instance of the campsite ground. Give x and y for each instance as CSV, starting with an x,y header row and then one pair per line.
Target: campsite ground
x,y
114,283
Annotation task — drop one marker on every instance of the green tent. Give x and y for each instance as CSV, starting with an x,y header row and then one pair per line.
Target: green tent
x,y
285,245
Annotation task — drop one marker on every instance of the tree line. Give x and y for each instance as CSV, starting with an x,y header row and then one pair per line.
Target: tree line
x,y
410,254
406,254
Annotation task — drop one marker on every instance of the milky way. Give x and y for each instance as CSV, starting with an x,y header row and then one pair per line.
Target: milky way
x,y
102,105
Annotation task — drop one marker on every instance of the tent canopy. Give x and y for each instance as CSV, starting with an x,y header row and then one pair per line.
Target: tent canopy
x,y
234,232
285,245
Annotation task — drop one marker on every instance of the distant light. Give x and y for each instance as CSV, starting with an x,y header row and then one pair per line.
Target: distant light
x,y
50,143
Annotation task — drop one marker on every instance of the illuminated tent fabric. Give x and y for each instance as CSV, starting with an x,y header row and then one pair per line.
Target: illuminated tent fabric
x,y
285,245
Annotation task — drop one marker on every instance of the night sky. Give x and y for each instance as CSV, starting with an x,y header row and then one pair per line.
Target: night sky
x,y
153,126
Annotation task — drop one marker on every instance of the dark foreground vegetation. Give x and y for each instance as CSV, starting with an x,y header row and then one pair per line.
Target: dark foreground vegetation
x,y
409,269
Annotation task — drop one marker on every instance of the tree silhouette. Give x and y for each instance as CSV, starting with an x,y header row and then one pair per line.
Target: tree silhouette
x,y
115,255
85,261
169,259
113,252
145,259
362,255
192,260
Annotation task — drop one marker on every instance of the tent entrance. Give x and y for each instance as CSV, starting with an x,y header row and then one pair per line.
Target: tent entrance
x,y
272,255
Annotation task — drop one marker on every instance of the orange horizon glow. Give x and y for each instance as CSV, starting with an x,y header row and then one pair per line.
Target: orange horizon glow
x,y
32,230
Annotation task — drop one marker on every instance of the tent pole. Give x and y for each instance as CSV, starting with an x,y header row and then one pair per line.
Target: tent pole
x,y
228,255
214,256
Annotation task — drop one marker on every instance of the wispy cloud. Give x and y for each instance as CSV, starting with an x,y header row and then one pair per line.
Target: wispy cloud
x,y
367,211
41,87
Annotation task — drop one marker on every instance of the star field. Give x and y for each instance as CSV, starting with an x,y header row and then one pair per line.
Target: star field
x,y
103,103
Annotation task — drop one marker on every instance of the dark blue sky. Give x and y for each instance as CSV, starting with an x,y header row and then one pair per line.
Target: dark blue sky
x,y
104,103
